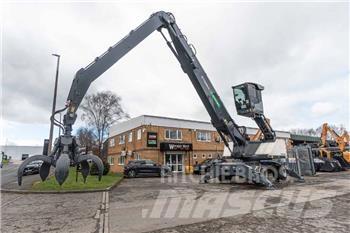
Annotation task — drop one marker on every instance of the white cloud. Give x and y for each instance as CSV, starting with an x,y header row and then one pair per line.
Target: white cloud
x,y
323,108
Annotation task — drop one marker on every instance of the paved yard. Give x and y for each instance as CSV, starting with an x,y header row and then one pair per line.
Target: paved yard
x,y
302,217
50,212
152,204
181,204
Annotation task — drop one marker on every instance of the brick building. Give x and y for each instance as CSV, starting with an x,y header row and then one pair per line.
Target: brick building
x,y
177,143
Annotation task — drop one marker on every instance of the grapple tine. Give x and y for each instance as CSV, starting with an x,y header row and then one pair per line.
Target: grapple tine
x,y
62,168
85,168
94,159
44,171
44,158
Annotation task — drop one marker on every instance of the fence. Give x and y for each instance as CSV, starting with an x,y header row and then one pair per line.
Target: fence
x,y
300,160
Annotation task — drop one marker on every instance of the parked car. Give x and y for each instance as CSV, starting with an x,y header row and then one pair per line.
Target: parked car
x,y
138,168
203,167
32,168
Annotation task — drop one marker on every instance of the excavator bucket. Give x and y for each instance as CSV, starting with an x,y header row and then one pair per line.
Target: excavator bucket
x,y
330,165
344,164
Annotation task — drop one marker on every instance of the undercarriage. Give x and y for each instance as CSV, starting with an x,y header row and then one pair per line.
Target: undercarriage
x,y
263,171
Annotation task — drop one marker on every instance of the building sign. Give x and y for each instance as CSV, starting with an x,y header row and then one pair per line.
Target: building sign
x,y
151,139
169,146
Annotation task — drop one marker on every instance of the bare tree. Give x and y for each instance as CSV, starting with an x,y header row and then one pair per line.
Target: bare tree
x,y
100,111
308,132
317,132
86,138
338,129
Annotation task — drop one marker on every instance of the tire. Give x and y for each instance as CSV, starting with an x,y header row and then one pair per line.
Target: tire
x,y
271,174
132,174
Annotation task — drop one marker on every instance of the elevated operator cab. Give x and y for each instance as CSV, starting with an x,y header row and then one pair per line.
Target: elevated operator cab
x,y
248,99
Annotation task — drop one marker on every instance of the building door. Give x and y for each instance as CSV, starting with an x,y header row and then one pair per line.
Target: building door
x,y
174,161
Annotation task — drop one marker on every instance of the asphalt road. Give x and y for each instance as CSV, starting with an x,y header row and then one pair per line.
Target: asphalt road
x,y
9,178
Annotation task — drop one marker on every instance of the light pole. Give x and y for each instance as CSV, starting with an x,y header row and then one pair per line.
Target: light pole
x,y
54,101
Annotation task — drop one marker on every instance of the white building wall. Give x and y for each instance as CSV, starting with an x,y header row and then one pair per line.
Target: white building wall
x,y
278,147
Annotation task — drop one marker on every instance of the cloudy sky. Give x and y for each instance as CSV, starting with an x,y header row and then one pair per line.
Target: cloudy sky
x,y
298,51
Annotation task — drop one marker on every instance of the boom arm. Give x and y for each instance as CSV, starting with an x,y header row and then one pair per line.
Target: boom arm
x,y
342,140
220,118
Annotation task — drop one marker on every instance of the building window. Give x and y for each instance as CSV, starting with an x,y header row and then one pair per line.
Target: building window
x,y
122,139
138,156
130,137
203,136
111,142
195,156
139,134
210,156
173,134
110,160
203,156
121,160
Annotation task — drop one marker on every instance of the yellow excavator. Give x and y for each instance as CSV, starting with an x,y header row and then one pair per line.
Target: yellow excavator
x,y
339,151
335,157
341,140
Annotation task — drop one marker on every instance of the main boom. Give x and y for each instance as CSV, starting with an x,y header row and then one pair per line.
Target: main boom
x,y
220,118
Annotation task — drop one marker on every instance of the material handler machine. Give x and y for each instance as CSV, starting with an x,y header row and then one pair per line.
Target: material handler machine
x,y
245,163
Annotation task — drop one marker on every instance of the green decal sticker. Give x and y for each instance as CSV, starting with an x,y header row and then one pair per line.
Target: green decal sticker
x,y
215,99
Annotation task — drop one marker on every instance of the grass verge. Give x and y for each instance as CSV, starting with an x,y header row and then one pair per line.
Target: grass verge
x,y
69,185
5,161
